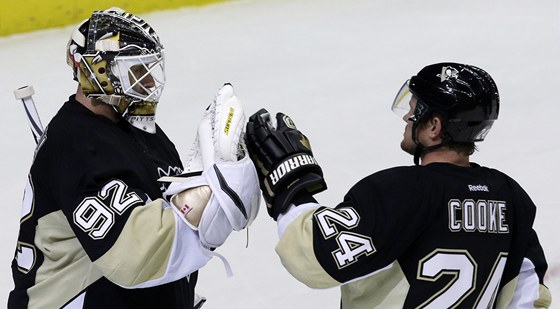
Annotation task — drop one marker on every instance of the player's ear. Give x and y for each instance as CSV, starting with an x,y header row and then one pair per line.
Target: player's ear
x,y
435,127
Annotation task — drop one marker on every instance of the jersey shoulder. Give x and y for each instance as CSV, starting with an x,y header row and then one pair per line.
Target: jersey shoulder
x,y
399,177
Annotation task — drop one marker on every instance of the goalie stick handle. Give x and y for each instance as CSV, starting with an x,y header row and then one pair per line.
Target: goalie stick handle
x,y
25,94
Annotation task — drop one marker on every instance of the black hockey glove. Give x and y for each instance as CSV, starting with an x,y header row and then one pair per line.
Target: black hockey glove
x,y
284,161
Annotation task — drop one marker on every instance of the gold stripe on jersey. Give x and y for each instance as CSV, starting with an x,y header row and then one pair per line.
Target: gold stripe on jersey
x,y
545,298
295,250
142,251
386,288
506,295
66,269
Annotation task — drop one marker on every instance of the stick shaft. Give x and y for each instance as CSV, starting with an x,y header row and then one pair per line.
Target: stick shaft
x,y
25,94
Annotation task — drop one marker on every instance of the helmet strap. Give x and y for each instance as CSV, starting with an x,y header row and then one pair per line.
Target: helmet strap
x,y
420,149
419,146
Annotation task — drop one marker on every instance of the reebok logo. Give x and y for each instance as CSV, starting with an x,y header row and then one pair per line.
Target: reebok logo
x,y
476,188
290,165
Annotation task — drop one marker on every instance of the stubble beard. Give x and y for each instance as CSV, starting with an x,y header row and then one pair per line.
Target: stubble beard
x,y
407,144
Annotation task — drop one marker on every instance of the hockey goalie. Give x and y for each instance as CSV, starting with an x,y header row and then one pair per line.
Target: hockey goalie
x,y
97,228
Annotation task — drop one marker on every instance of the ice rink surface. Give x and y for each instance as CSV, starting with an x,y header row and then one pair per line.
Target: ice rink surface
x,y
334,66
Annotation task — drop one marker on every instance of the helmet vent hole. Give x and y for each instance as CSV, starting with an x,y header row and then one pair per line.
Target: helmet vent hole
x,y
101,70
104,84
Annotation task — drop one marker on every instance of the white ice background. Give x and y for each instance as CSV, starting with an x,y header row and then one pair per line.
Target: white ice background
x,y
334,66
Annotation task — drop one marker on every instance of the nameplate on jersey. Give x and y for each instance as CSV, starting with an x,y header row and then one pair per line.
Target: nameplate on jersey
x,y
477,216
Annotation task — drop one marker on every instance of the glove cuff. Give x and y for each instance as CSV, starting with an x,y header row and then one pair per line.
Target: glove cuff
x,y
305,186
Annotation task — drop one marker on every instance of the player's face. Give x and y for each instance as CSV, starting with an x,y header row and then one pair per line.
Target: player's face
x,y
408,144
139,72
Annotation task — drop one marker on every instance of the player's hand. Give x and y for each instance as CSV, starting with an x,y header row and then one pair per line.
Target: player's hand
x,y
284,161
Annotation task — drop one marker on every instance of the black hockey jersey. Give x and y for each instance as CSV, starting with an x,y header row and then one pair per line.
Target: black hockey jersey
x,y
435,236
94,231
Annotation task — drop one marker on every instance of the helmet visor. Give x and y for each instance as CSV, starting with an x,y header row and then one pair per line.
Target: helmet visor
x,y
408,104
141,76
401,103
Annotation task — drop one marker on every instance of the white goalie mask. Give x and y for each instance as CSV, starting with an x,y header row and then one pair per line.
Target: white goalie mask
x,y
118,58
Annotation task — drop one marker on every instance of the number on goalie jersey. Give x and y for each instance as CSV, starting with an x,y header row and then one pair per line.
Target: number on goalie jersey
x,y
415,245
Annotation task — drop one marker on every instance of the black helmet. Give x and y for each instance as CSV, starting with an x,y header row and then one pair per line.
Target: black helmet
x,y
464,95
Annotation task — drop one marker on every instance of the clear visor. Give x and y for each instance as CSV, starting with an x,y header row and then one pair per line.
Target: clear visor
x,y
401,104
142,76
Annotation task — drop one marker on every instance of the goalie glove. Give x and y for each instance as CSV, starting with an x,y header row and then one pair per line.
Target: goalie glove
x,y
284,161
225,196
220,133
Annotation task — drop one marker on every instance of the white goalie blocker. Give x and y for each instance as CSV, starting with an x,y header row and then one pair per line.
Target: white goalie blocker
x,y
225,196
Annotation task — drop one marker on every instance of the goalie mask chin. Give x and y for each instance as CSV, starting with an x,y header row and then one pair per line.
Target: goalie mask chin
x,y
140,114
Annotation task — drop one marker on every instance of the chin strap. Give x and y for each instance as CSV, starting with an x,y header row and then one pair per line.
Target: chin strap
x,y
417,153
420,149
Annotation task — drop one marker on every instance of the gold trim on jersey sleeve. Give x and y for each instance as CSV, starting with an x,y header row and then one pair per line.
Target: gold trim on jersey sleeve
x,y
295,250
385,288
545,298
506,295
66,269
143,249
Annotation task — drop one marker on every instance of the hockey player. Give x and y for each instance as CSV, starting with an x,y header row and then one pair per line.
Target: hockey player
x,y
444,233
95,231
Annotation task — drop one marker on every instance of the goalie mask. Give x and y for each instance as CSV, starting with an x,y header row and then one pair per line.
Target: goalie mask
x,y
118,58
